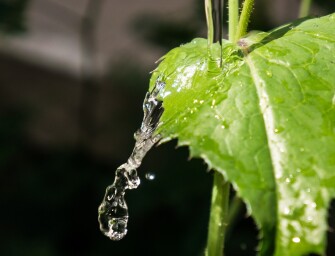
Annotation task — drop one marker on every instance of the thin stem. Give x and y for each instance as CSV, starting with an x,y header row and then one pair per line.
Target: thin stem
x,y
214,13
209,19
218,216
244,19
305,7
233,19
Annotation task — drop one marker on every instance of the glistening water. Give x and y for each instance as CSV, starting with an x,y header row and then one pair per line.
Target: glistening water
x,y
113,211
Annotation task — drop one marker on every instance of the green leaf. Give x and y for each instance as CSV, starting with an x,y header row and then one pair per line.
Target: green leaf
x,y
266,121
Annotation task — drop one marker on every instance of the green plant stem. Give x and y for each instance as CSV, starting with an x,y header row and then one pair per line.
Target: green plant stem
x,y
209,19
244,19
305,6
233,19
218,216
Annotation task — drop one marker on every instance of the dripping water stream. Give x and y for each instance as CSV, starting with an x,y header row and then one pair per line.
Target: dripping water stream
x,y
113,211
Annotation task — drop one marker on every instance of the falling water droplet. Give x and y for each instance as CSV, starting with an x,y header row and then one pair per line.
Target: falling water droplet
x,y
150,176
113,211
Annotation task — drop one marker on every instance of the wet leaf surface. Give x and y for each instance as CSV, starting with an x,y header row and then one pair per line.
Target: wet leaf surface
x,y
266,120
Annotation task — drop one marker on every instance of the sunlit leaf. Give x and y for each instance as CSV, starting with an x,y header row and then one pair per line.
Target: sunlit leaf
x,y
266,121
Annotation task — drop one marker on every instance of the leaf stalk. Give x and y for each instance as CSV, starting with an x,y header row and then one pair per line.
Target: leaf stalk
x,y
233,16
218,216
209,20
244,19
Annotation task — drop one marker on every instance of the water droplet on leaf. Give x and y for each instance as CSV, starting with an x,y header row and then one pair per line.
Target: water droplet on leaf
x,y
296,239
309,218
213,103
287,211
279,129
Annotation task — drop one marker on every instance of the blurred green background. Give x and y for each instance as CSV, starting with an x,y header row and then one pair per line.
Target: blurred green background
x,y
73,75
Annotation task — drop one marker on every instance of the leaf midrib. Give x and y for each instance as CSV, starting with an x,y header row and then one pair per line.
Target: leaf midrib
x,y
268,123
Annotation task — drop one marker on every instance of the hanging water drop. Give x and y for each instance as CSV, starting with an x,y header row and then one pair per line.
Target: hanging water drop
x,y
113,211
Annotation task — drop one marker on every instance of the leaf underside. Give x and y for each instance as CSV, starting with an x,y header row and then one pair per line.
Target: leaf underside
x,y
266,121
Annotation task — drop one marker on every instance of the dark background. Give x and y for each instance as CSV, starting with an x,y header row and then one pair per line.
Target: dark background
x,y
73,75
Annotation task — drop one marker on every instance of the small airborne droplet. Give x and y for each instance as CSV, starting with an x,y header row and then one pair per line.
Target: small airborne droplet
x,y
113,211
150,176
